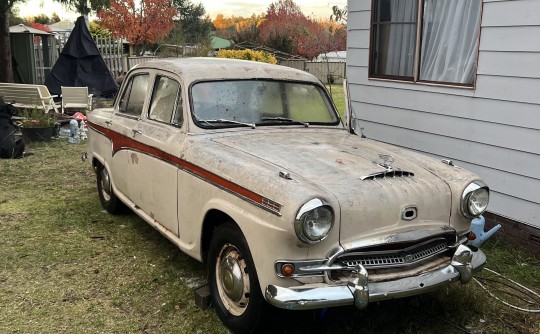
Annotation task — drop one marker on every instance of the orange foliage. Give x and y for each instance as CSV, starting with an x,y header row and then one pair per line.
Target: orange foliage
x,y
287,29
237,23
144,24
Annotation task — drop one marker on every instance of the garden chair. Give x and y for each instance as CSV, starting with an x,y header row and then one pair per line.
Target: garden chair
x,y
76,98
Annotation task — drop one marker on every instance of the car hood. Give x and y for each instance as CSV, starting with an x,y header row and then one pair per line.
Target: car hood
x,y
343,166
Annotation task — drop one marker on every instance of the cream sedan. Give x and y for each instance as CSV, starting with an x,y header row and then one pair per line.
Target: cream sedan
x,y
248,167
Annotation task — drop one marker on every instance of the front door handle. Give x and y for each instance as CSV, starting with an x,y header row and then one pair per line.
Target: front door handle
x,y
109,123
136,132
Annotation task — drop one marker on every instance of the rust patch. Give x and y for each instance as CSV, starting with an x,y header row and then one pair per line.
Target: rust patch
x,y
134,158
340,162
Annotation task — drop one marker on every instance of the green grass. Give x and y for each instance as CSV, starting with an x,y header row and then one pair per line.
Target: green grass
x,y
339,98
66,266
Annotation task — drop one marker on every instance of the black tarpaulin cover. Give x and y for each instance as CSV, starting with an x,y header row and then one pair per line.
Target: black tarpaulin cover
x,y
80,64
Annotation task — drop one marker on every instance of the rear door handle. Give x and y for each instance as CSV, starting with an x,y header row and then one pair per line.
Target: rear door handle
x,y
136,132
109,123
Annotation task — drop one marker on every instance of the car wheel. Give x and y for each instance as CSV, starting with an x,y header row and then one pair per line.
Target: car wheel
x,y
233,281
108,199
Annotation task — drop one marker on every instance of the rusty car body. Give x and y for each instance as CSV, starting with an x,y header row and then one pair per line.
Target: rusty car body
x,y
248,167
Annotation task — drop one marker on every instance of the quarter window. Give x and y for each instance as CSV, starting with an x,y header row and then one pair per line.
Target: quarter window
x,y
442,48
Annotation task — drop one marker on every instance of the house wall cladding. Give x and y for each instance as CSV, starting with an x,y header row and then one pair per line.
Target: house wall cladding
x,y
493,130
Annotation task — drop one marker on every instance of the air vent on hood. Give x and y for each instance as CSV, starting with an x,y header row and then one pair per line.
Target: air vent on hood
x,y
387,174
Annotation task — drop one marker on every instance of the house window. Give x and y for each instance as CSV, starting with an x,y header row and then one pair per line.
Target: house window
x,y
442,48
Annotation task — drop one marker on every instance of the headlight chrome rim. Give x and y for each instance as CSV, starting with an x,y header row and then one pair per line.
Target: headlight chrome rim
x,y
472,188
303,214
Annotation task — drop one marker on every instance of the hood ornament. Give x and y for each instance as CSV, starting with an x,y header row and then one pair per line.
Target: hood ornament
x,y
386,161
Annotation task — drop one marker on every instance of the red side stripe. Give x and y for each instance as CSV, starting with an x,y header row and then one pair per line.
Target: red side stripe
x,y
120,142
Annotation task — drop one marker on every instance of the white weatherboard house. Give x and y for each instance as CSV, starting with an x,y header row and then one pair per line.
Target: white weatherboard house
x,y
459,80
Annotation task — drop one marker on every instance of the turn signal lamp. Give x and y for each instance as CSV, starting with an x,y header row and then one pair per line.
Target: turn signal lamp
x,y
287,270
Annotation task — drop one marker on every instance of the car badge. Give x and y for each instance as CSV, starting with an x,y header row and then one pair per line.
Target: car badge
x,y
386,161
408,258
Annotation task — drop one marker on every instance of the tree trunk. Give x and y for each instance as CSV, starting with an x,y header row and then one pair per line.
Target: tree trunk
x,y
6,71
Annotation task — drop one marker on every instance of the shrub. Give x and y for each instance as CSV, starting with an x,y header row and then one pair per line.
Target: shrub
x,y
260,56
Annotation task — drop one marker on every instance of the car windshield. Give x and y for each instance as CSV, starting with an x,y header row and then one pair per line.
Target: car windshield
x,y
217,104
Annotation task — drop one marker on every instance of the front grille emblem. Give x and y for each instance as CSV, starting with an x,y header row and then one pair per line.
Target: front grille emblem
x,y
408,258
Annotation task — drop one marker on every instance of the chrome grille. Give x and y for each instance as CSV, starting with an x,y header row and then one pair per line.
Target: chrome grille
x,y
394,258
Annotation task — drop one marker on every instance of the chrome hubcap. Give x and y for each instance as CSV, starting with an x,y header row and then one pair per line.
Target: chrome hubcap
x,y
232,279
231,276
105,184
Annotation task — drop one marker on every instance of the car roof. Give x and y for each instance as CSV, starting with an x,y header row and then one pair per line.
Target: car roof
x,y
206,68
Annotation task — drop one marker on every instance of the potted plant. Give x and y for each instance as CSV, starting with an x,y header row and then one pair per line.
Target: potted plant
x,y
37,125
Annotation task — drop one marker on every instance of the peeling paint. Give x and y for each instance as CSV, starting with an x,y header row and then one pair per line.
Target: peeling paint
x,y
134,159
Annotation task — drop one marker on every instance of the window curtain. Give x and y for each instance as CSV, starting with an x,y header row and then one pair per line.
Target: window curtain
x,y
450,40
402,38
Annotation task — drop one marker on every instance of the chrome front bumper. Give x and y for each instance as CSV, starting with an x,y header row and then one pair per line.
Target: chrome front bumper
x,y
359,292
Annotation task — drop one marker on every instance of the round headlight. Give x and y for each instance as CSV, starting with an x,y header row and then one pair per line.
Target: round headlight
x,y
478,201
314,221
475,199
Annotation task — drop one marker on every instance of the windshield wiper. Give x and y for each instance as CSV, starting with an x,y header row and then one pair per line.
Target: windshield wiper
x,y
210,121
283,119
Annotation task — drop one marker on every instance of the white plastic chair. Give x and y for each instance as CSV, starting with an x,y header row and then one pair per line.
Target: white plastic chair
x,y
76,98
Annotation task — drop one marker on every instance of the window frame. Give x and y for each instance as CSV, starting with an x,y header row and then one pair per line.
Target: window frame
x,y
418,46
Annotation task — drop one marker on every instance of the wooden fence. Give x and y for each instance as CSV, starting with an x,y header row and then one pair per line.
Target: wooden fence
x,y
327,72
112,51
41,70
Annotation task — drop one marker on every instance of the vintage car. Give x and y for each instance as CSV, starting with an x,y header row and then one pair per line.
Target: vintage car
x,y
248,167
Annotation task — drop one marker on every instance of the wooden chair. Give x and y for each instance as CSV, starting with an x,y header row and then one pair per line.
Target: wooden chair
x,y
76,98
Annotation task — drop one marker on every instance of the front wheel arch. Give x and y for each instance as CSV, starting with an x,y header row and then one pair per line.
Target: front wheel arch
x,y
212,220
109,201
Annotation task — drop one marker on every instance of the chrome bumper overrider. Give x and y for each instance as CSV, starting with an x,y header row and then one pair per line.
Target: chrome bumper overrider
x,y
359,292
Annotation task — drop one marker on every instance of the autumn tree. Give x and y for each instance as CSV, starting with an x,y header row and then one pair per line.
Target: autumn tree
x,y
238,28
141,25
247,30
287,29
224,25
321,36
6,7
284,20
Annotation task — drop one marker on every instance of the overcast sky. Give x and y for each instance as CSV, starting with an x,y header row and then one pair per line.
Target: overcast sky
x,y
317,8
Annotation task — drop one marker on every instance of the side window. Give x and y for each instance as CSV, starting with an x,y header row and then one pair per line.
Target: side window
x,y
132,100
165,101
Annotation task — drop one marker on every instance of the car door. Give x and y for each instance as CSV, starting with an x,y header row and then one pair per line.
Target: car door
x,y
124,122
160,134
